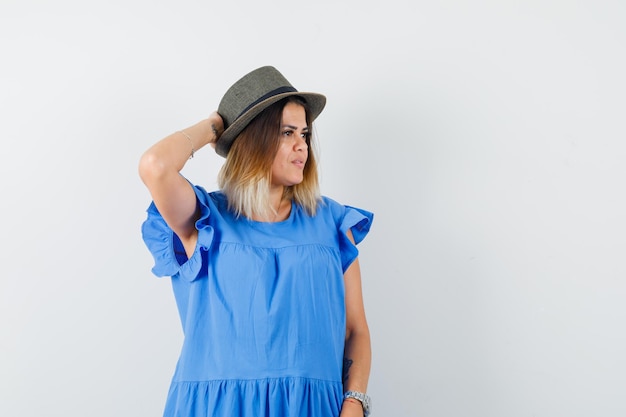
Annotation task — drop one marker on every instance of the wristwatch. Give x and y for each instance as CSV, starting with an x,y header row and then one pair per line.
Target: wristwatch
x,y
362,397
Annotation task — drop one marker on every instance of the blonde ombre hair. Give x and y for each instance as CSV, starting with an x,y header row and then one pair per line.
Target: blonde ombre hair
x,y
246,176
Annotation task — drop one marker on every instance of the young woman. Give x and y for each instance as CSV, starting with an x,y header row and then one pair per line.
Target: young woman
x,y
264,270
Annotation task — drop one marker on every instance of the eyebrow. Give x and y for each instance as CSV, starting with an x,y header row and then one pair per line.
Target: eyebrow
x,y
295,127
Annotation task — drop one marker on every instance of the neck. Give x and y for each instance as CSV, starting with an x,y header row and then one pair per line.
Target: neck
x,y
280,204
276,196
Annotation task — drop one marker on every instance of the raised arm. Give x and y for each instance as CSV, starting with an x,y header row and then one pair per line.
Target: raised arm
x,y
159,169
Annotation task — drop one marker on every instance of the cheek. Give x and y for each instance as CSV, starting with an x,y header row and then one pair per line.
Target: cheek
x,y
282,157
279,164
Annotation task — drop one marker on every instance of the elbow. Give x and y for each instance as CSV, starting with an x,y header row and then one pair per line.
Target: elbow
x,y
358,330
151,168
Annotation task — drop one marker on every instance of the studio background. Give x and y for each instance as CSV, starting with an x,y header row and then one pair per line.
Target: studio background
x,y
488,138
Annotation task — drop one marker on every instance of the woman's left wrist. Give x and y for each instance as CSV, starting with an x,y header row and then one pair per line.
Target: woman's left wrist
x,y
352,407
352,400
360,398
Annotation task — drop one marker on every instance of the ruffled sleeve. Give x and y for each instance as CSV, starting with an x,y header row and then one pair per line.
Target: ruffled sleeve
x,y
166,248
359,221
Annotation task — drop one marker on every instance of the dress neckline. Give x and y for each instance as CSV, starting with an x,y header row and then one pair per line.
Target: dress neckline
x,y
269,224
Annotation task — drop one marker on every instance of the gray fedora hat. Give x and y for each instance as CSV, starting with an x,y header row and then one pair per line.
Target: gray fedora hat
x,y
252,94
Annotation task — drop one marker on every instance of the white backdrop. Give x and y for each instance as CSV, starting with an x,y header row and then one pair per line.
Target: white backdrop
x,y
487,136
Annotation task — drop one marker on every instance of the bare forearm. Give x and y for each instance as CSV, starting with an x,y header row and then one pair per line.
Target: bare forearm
x,y
172,152
357,361
356,370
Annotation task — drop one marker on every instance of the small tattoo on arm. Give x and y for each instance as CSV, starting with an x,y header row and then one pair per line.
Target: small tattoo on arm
x,y
347,363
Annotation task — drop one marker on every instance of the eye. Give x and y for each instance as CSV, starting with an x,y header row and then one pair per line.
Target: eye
x,y
306,136
287,133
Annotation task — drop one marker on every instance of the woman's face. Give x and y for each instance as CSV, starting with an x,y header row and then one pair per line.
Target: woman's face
x,y
288,166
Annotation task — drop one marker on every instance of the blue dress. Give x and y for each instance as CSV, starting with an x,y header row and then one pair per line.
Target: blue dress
x,y
262,309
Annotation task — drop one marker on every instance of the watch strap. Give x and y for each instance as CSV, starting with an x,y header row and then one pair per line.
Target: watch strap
x,y
363,398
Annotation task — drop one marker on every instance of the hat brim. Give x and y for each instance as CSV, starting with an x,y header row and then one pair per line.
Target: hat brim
x,y
316,103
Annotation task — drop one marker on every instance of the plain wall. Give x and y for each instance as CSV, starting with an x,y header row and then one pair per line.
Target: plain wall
x,y
488,138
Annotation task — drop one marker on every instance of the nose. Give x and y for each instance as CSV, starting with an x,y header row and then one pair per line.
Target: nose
x,y
301,144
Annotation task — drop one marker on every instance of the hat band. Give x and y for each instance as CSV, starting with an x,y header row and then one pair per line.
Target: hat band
x,y
279,90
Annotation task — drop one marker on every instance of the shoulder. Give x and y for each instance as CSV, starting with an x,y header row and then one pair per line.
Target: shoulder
x,y
337,209
348,215
327,200
331,205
